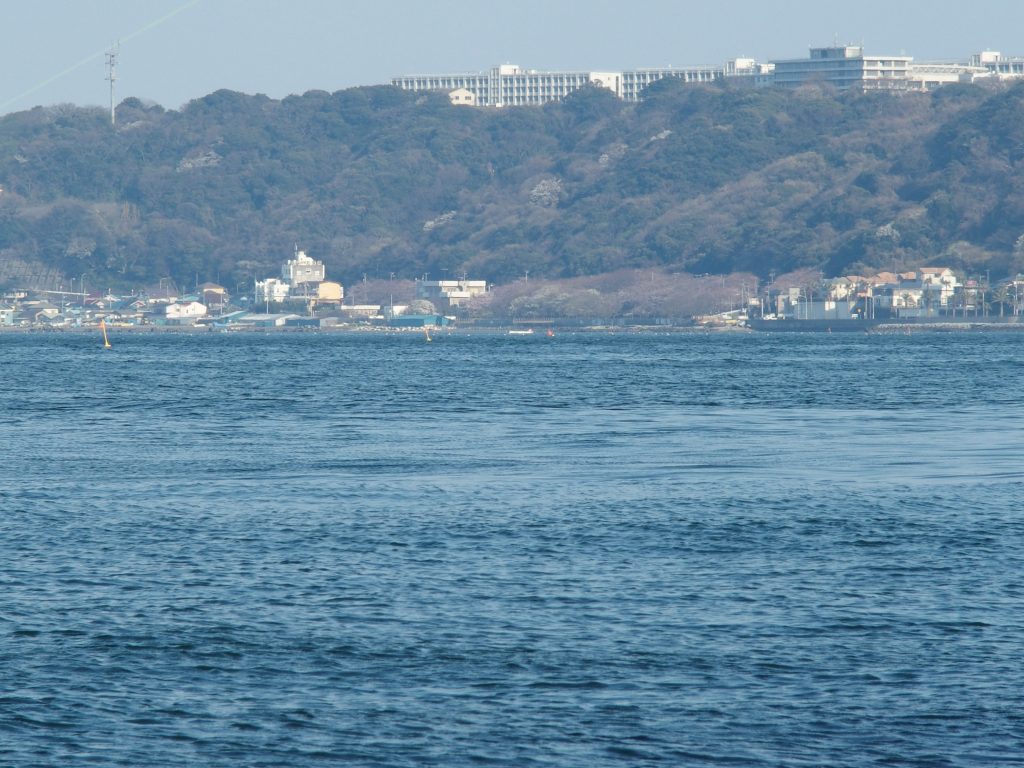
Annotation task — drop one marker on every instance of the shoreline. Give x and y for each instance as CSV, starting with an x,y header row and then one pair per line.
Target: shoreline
x,y
905,328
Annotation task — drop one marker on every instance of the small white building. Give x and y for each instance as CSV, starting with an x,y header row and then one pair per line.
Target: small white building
x,y
462,97
185,309
450,293
271,290
183,313
938,283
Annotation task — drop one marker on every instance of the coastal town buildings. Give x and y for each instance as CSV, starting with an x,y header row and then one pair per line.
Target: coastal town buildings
x,y
303,278
921,295
926,293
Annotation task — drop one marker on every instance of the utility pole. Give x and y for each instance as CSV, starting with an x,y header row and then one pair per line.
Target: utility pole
x,y
112,77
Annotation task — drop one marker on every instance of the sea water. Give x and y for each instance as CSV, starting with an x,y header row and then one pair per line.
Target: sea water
x,y
586,550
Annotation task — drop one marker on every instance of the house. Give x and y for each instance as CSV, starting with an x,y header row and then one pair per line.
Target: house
x,y
271,291
938,283
329,292
841,288
213,296
6,315
35,312
181,313
463,97
164,293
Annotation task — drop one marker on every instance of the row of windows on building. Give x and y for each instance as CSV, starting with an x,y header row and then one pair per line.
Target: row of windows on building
x,y
843,67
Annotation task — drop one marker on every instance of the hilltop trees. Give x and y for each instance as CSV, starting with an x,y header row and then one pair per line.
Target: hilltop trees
x,y
379,182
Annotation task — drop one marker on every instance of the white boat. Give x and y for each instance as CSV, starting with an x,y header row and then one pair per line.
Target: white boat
x,y
520,331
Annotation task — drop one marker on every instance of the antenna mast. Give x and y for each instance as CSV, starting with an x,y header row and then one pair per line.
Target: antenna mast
x,y
112,76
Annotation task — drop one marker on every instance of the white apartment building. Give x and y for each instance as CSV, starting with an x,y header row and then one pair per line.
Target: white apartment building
x,y
845,67
635,81
929,75
302,269
271,290
986,65
509,85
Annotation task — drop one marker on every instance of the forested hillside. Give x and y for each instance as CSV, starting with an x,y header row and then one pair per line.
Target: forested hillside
x,y
376,181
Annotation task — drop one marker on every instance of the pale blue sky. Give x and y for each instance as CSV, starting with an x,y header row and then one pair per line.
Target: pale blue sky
x,y
176,50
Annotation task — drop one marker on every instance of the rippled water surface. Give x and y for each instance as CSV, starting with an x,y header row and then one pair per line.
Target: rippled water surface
x,y
592,550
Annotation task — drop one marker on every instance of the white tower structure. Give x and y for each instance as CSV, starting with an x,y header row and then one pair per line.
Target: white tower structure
x,y
112,76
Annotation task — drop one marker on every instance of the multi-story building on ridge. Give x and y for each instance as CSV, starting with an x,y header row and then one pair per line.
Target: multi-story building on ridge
x,y
984,66
845,67
1001,66
635,81
509,85
928,75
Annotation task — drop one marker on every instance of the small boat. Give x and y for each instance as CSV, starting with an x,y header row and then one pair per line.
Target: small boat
x,y
426,332
520,332
551,333
106,341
